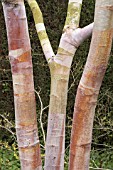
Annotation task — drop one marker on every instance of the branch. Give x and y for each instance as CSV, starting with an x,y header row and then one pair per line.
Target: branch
x,y
41,112
8,131
11,125
66,49
41,30
98,168
70,41
81,34
73,13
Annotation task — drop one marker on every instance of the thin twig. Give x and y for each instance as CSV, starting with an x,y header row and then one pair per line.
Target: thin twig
x,y
8,131
6,120
99,168
102,145
41,112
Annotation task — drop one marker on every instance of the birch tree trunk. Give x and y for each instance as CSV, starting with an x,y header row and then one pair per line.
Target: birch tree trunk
x,y
22,74
89,86
59,65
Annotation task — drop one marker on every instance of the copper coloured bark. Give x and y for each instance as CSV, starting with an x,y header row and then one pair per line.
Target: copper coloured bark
x,y
23,86
89,86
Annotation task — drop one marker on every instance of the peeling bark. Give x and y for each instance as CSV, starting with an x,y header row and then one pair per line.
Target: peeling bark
x,y
23,86
89,86
59,65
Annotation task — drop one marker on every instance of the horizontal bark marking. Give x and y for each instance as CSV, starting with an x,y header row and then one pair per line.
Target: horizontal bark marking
x,y
98,65
79,157
108,7
30,157
27,135
54,167
25,110
20,55
101,23
21,63
83,117
24,86
40,27
16,23
55,140
55,126
62,51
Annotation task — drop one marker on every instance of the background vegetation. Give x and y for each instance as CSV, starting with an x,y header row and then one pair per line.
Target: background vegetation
x,y
54,12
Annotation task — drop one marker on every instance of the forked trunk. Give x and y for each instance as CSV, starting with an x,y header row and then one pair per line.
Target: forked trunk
x,y
89,86
22,74
59,67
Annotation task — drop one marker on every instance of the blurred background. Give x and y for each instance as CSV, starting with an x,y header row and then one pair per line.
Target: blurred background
x,y
54,13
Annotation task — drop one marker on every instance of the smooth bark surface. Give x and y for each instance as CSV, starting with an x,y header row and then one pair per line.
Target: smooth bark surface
x,y
22,74
41,30
89,86
59,67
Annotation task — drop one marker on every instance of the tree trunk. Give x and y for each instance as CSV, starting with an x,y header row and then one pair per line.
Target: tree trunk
x,y
55,143
89,86
22,74
59,67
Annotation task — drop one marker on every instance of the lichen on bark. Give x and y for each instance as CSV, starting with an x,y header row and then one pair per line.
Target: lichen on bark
x,y
73,14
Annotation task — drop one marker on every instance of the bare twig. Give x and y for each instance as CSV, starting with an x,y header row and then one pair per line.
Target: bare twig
x,y
8,130
41,112
6,120
99,168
